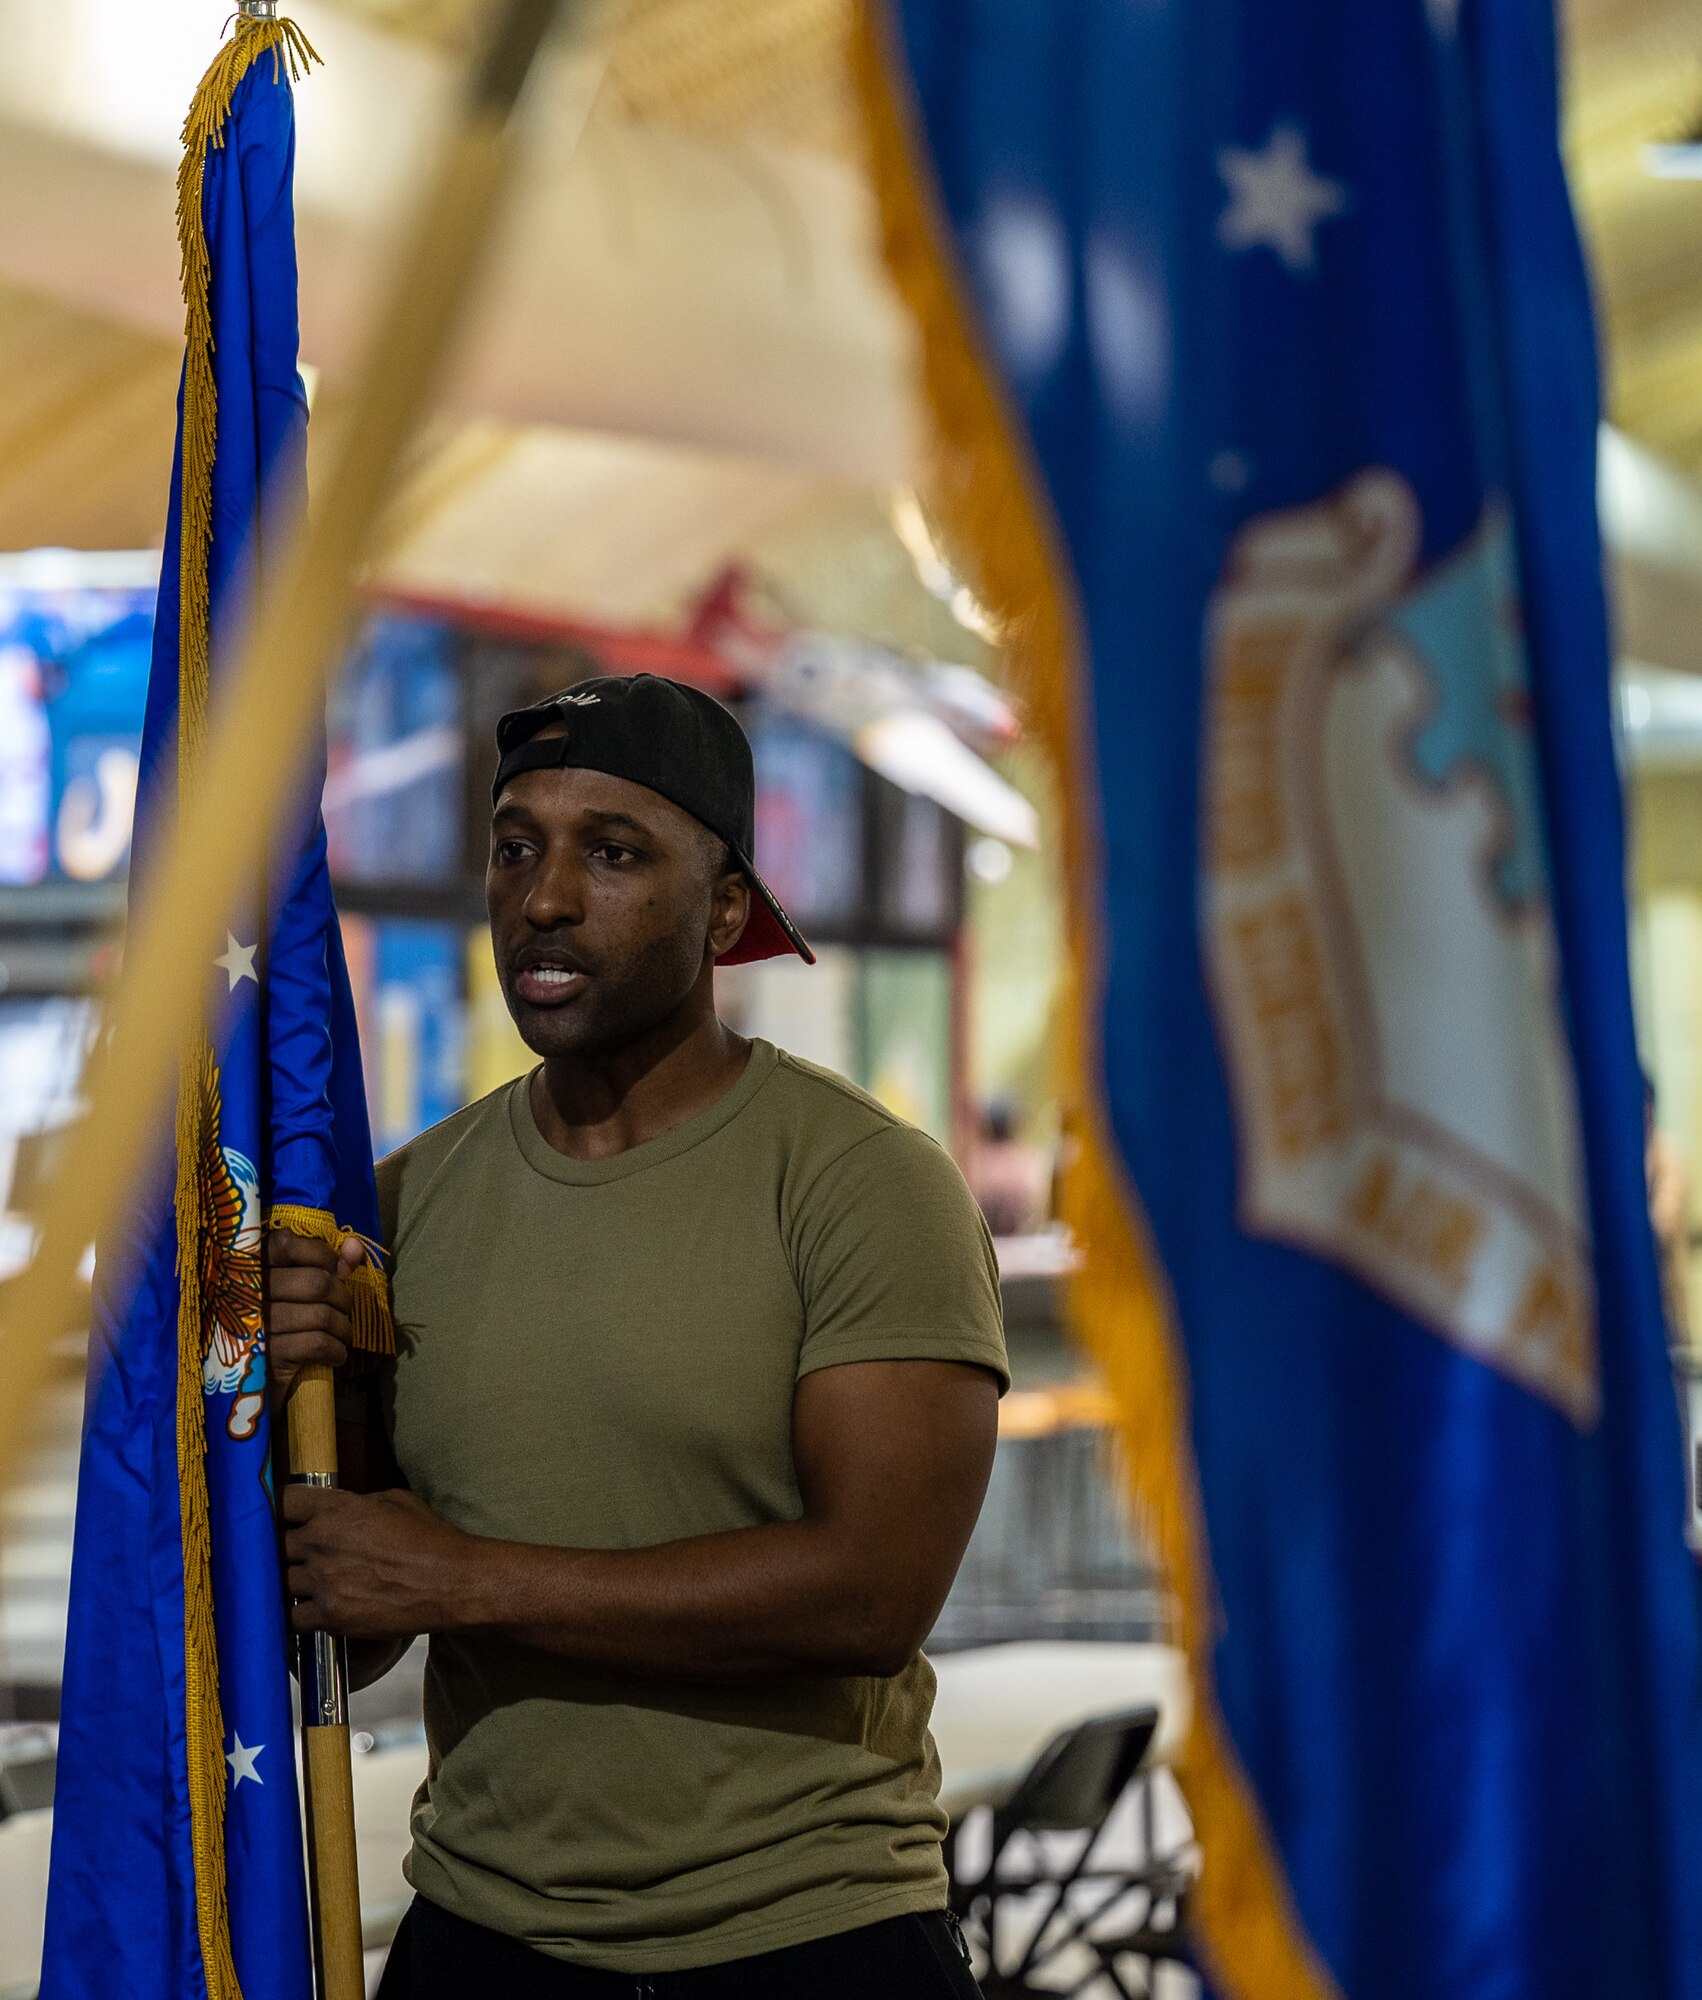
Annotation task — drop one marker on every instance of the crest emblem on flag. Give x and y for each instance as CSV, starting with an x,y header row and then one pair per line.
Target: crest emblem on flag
x,y
1379,934
234,1333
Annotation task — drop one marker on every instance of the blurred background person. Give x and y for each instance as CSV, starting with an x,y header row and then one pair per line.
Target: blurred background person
x,y
1010,1179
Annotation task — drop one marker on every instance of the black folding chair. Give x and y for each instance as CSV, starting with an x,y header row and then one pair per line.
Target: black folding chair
x,y
1072,1788
26,1784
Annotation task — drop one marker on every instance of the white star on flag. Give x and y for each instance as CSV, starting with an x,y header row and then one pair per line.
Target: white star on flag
x,y
238,961
241,1761
1275,198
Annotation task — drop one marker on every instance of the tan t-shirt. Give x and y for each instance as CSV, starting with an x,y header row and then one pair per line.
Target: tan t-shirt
x,y
603,1355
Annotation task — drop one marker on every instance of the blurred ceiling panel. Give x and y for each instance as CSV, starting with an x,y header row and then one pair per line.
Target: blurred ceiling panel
x,y
1634,77
86,417
689,277
764,71
574,525
656,276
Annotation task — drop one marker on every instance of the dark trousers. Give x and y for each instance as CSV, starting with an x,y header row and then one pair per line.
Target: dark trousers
x,y
437,1956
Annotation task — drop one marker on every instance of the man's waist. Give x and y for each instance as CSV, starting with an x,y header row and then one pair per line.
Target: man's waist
x,y
615,1811
804,1887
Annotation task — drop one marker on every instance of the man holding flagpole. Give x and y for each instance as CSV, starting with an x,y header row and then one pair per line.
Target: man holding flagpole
x,y
699,1355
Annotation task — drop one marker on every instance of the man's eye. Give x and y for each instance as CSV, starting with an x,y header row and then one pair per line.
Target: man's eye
x,y
510,850
610,850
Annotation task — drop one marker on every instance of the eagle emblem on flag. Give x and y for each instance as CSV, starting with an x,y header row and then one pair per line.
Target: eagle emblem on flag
x,y
234,1336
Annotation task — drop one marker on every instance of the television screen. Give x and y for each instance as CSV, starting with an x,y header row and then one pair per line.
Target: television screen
x,y
407,976
396,739
809,822
73,686
918,866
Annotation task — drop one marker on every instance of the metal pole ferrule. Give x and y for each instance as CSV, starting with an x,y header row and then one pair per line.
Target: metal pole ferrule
x,y
323,1662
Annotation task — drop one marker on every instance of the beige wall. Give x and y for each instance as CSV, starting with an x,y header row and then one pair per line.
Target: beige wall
x,y
1666,971
1017,946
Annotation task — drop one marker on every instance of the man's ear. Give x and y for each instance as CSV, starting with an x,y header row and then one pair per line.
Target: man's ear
x,y
729,911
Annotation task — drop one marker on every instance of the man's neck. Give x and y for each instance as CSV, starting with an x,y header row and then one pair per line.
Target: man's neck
x,y
591,1108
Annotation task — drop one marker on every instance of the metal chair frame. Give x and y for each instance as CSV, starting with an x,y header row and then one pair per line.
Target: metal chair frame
x,y
1073,1787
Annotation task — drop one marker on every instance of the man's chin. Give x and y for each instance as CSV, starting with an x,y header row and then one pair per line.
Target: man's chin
x,y
552,1031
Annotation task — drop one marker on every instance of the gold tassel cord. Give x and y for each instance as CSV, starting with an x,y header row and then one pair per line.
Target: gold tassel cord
x,y
991,502
374,1329
204,1725
197,1096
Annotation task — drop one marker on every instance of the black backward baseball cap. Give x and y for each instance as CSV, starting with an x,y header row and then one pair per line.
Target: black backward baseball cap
x,y
675,740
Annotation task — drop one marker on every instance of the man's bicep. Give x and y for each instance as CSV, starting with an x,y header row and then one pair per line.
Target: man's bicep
x,y
894,1262
897,1454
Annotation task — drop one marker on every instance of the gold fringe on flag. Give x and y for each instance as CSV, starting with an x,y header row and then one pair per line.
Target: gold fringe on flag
x,y
204,1722
374,1330
209,111
197,1090
990,499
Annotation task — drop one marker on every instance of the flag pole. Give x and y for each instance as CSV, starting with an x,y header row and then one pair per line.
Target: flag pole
x,y
333,1876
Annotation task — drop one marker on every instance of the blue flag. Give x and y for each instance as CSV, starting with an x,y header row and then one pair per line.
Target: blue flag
x,y
1258,341
177,1843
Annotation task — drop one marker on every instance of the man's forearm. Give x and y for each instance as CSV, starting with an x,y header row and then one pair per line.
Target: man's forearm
x,y
892,1460
780,1599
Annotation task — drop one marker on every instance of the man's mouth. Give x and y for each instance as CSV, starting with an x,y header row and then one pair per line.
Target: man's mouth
x,y
549,985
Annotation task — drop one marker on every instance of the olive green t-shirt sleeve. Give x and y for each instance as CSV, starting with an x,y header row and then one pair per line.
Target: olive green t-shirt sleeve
x,y
894,1262
387,1177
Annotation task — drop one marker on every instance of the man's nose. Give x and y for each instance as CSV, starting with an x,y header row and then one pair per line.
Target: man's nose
x,y
556,894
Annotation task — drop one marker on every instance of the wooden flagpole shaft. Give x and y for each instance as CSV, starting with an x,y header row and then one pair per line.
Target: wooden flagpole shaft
x,y
327,1767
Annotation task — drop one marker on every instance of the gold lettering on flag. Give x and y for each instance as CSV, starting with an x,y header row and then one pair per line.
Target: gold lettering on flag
x,y
1306,1100
1379,941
